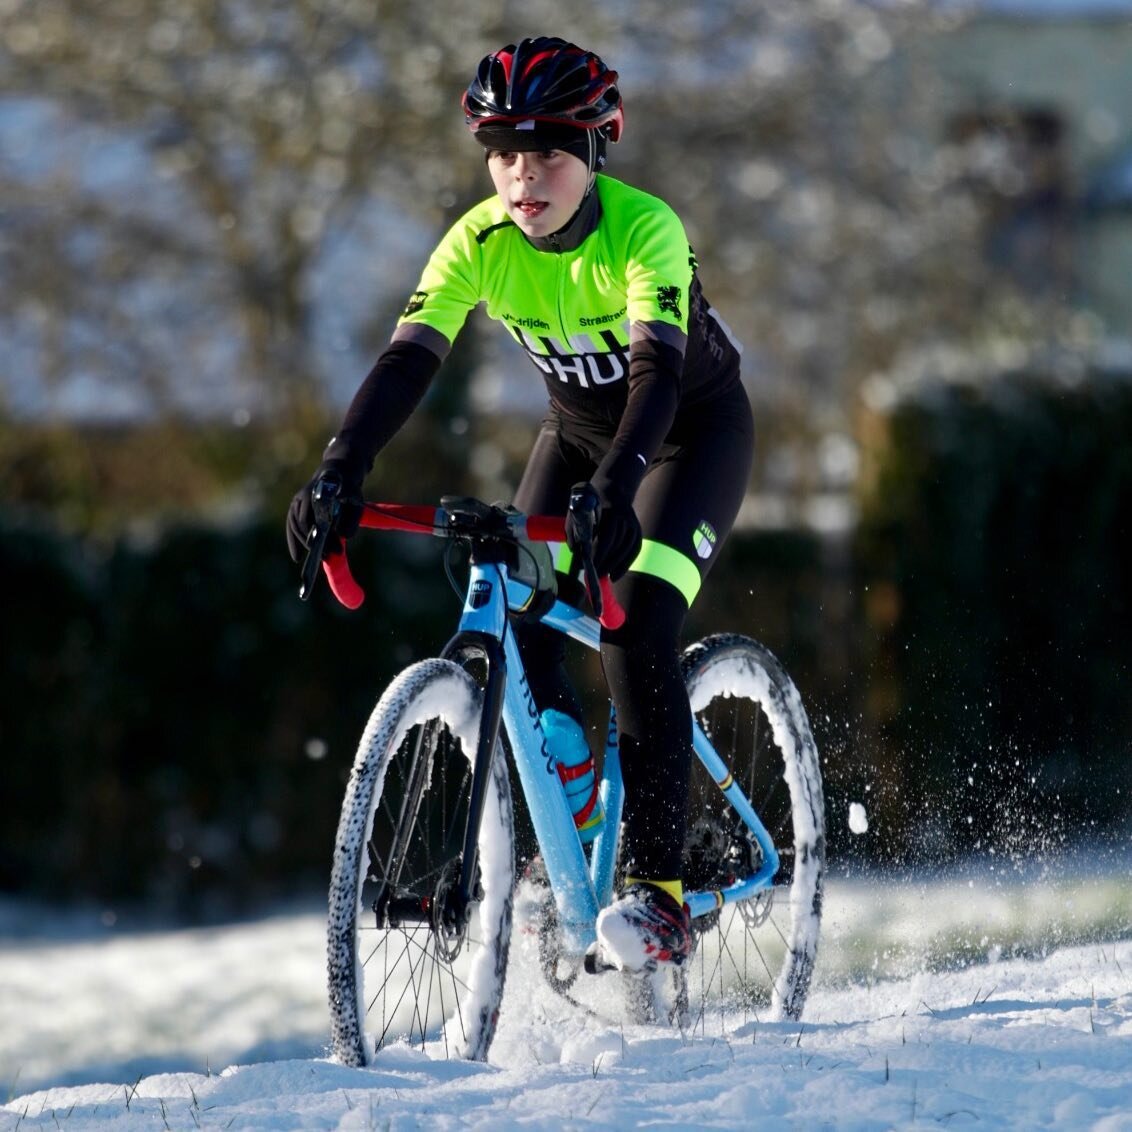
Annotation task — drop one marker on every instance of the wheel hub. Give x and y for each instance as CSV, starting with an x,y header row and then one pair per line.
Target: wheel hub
x,y
450,913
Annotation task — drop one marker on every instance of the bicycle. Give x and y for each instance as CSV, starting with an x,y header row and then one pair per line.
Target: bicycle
x,y
424,878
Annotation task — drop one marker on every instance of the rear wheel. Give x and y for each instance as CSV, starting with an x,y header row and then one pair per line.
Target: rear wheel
x,y
758,955
407,962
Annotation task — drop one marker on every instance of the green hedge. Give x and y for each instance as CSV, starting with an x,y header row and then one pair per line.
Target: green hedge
x,y
161,702
995,563
177,727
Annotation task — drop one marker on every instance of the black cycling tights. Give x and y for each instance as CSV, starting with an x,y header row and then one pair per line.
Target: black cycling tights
x,y
697,484
642,668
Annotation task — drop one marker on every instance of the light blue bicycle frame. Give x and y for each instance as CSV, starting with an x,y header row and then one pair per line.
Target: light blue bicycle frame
x,y
582,886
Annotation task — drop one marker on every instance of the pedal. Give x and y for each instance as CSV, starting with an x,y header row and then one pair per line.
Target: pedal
x,y
596,962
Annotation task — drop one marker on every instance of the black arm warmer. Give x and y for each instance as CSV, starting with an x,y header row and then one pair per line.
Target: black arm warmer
x,y
654,394
384,402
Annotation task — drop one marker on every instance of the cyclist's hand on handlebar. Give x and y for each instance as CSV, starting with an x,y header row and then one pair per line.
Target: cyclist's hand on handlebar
x,y
301,515
618,540
616,535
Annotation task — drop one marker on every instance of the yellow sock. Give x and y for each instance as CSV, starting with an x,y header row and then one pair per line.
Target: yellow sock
x,y
674,888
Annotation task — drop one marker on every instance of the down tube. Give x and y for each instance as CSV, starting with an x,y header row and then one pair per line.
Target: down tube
x,y
603,852
558,841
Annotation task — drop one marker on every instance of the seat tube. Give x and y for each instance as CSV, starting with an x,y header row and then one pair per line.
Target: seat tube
x,y
550,811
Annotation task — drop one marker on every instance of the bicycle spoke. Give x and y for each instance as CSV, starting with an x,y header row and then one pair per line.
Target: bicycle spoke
x,y
413,967
423,953
421,972
444,1011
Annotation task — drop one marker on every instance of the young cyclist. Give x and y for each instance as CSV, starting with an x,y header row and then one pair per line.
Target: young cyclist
x,y
597,283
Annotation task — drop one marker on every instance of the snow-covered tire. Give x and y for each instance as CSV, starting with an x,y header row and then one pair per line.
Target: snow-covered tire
x,y
757,954
416,982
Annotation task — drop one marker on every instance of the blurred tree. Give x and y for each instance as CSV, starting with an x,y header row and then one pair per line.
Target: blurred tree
x,y
214,208
994,577
798,142
196,192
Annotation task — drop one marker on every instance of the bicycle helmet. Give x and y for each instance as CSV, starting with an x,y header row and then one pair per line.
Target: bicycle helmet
x,y
544,93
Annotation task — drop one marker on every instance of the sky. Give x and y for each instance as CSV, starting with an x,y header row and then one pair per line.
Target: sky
x,y
961,1001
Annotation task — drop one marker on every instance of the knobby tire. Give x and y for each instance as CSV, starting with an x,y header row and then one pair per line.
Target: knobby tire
x,y
400,834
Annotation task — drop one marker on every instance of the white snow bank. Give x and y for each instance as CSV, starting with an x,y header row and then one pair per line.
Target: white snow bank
x,y
898,1033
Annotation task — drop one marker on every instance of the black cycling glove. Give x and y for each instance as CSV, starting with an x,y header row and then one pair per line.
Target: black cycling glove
x,y
617,538
300,515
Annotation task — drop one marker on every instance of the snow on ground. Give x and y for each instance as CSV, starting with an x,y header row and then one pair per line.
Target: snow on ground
x,y
925,1014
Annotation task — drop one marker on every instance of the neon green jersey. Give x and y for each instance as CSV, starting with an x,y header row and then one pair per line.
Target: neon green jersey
x,y
572,311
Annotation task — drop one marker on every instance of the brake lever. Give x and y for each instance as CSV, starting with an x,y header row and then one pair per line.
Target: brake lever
x,y
593,585
326,502
584,507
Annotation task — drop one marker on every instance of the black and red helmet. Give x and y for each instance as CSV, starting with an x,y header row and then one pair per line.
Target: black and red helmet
x,y
542,85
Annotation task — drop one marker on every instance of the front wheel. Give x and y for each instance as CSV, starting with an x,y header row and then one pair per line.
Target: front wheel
x,y
759,953
406,962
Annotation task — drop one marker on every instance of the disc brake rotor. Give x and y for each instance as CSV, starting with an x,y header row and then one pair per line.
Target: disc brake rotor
x,y
756,910
449,923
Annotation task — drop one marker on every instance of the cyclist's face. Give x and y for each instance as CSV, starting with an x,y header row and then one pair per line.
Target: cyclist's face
x,y
541,189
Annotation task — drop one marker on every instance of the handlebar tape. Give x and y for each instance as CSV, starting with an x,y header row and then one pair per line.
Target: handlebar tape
x,y
419,519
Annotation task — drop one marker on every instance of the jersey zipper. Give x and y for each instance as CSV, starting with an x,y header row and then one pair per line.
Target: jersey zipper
x,y
559,291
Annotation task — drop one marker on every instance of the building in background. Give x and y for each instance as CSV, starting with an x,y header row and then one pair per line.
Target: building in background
x,y
1042,89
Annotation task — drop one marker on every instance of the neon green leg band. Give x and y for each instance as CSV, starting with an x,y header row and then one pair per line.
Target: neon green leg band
x,y
655,559
661,561
564,560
